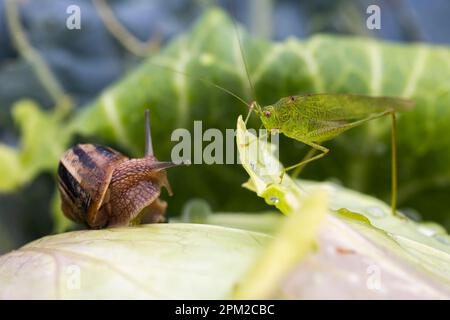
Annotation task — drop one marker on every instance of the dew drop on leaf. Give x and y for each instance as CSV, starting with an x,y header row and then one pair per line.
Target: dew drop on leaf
x,y
426,231
274,200
376,212
442,239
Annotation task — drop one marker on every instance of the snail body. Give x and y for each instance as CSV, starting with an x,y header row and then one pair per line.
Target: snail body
x,y
100,187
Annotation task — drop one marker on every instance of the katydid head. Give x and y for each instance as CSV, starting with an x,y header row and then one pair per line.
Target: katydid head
x,y
268,117
273,116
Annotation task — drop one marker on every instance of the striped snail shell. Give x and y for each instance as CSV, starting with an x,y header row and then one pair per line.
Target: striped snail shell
x,y
101,187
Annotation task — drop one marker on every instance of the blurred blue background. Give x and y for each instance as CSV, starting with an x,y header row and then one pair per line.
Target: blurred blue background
x,y
86,61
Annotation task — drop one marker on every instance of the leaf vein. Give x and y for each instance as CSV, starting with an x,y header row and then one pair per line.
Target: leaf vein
x,y
416,72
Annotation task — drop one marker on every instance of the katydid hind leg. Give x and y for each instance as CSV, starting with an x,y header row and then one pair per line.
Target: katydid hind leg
x,y
318,147
394,164
297,170
347,126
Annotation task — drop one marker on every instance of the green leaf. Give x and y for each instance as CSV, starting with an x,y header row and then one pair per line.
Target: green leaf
x,y
358,158
160,261
358,254
415,262
293,241
43,140
11,175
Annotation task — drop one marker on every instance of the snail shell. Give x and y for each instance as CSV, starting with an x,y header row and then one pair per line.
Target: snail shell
x,y
101,187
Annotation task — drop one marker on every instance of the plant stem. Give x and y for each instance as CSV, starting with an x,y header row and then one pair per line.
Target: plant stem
x,y
32,56
130,42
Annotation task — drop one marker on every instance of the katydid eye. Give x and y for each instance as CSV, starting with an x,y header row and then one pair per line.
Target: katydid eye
x,y
267,114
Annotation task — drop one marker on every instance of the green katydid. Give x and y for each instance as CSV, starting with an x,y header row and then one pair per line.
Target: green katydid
x,y
315,118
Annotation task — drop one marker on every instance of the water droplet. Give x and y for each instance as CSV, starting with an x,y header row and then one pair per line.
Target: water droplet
x,y
412,214
274,200
431,229
329,187
196,211
335,182
376,212
445,239
426,231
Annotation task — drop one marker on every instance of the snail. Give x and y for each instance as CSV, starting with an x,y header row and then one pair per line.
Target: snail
x,y
101,187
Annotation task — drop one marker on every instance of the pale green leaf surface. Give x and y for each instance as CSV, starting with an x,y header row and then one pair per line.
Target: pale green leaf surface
x,y
350,242
354,258
294,239
161,261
